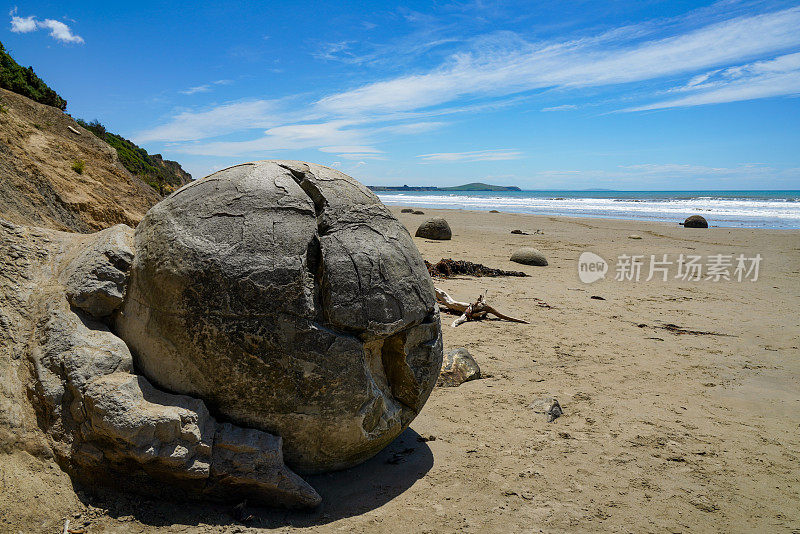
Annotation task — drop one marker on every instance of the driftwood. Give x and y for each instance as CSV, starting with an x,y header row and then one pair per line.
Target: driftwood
x,y
470,312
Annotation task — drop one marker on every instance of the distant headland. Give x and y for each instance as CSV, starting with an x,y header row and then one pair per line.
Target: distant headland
x,y
475,186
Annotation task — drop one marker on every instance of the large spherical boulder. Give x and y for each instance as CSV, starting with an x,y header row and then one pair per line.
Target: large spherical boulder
x,y
289,299
436,228
695,221
529,256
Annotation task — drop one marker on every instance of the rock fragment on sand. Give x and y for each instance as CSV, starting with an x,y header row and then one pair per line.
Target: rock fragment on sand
x,y
634,236
406,210
494,211
436,228
418,212
289,299
529,256
519,232
695,221
548,406
458,367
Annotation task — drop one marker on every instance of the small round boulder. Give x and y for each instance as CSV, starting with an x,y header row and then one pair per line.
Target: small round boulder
x,y
529,256
695,221
436,228
406,210
289,299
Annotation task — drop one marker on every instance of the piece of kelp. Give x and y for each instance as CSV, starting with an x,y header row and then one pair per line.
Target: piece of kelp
x,y
447,267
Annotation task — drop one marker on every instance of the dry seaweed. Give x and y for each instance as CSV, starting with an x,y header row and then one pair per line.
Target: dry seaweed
x,y
447,268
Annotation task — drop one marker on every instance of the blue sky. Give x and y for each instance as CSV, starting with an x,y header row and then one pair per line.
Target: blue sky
x,y
638,95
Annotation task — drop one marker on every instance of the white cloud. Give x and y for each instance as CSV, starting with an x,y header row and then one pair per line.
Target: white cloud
x,y
22,24
205,88
490,72
565,107
217,121
518,66
477,155
58,30
761,79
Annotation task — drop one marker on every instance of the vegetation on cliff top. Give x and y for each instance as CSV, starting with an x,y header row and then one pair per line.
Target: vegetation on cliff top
x,y
162,175
25,82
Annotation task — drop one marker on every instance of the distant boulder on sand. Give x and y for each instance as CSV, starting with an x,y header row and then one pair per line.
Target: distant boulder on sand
x,y
436,228
695,221
406,210
529,256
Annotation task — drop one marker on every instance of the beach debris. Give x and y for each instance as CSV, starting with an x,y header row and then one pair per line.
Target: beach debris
x,y
446,268
476,311
695,221
675,329
597,297
265,328
73,130
418,212
520,232
634,236
406,210
529,256
548,406
435,228
458,367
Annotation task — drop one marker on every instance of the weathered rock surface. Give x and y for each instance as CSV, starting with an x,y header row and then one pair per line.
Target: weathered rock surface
x,y
289,299
436,228
458,367
695,221
418,212
406,210
529,256
85,408
95,281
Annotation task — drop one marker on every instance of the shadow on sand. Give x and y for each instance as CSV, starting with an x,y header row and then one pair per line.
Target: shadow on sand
x,y
344,494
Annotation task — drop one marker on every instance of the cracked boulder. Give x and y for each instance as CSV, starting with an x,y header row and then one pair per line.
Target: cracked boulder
x,y
289,299
68,392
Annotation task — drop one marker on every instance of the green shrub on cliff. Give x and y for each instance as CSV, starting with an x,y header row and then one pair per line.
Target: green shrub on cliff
x,y
151,169
24,81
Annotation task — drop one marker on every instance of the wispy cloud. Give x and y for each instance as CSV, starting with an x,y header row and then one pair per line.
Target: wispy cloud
x,y
205,88
58,30
565,107
722,60
477,155
761,79
516,66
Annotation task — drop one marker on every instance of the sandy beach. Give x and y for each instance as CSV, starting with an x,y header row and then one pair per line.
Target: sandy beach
x,y
685,428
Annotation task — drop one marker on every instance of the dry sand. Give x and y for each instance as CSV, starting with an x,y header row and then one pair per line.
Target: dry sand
x,y
662,431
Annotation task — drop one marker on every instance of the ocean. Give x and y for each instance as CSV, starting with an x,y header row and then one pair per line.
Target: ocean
x,y
741,209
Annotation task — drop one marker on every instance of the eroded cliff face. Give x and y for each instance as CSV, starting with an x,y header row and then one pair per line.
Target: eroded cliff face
x,y
39,146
